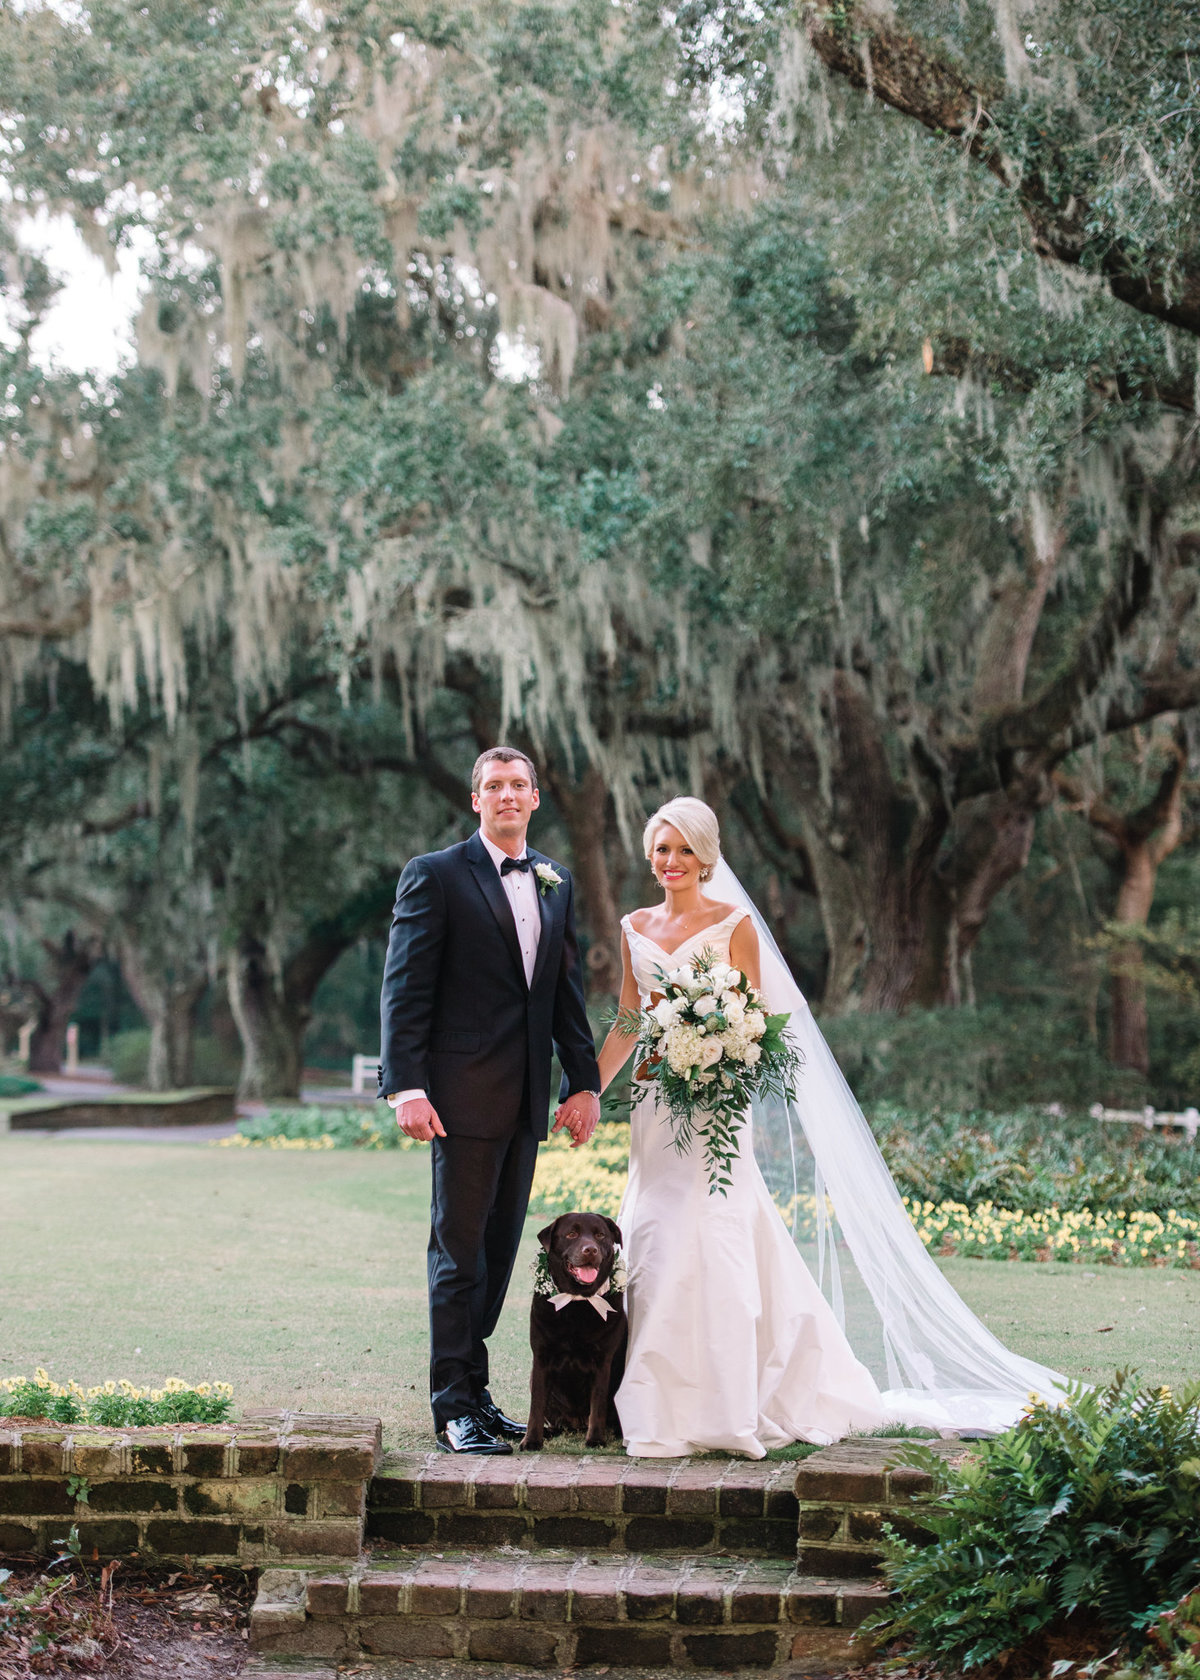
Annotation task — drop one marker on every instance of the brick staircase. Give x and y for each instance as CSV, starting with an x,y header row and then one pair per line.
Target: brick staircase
x,y
561,1561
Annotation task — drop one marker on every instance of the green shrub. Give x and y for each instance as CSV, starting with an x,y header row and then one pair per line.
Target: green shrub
x,y
1087,1512
993,1057
1032,1160
345,1128
129,1058
13,1085
115,1405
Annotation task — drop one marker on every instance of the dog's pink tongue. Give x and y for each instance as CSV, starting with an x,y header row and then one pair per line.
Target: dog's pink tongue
x,y
585,1274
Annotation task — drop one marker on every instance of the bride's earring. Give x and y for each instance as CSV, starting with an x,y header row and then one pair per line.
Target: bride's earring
x,y
706,874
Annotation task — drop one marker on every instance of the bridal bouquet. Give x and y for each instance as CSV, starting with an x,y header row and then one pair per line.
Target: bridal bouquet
x,y
708,1047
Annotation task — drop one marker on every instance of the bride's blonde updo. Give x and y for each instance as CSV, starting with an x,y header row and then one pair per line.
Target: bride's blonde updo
x,y
698,824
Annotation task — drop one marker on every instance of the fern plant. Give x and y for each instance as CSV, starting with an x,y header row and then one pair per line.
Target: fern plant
x,y
1090,1508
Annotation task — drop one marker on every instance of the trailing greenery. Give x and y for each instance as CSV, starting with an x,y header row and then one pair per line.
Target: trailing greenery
x,y
114,1404
1084,1513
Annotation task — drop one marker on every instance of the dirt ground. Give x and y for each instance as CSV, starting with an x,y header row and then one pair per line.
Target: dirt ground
x,y
123,1624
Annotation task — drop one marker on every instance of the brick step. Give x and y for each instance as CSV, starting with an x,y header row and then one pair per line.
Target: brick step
x,y
544,1608
833,1503
592,1502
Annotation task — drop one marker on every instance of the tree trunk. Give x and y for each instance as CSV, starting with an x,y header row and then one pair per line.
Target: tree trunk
x,y
1143,838
271,1032
72,962
1141,855
1129,1025
990,843
169,1003
586,814
273,1009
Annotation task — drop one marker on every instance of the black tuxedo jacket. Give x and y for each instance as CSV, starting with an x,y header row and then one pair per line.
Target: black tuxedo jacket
x,y
458,1019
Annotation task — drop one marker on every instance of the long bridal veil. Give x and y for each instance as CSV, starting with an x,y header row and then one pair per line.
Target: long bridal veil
x,y
937,1365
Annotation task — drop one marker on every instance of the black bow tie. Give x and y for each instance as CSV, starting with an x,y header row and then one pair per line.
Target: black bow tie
x,y
514,863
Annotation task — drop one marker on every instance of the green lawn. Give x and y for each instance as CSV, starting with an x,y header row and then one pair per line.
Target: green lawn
x,y
300,1278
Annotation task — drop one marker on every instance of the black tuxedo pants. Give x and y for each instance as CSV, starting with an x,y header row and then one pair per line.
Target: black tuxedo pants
x,y
480,1198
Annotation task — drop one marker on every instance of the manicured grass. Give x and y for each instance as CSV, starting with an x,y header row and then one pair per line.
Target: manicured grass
x,y
300,1278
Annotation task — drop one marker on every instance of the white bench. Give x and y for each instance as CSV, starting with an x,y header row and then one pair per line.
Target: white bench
x,y
364,1074
1188,1121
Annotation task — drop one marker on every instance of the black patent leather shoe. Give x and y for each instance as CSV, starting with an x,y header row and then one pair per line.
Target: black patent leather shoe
x,y
467,1434
495,1422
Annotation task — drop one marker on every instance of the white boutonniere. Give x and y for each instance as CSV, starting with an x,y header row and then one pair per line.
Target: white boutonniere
x,y
549,880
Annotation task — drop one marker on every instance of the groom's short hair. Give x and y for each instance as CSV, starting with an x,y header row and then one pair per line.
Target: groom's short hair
x,y
506,755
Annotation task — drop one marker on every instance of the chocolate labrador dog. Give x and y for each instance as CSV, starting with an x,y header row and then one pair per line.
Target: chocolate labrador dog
x,y
577,1333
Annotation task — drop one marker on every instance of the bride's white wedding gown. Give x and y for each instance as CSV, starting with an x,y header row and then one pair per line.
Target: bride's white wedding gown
x,y
732,1346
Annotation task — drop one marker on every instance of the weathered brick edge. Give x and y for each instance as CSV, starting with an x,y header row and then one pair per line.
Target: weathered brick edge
x,y
525,1611
594,1504
847,1492
278,1485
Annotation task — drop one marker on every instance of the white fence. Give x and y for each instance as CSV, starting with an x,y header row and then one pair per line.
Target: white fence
x,y
1188,1121
364,1074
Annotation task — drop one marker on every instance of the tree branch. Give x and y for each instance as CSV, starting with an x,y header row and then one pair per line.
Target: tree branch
x,y
954,357
1049,725
861,46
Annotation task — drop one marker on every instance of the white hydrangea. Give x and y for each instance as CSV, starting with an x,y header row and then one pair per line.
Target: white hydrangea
x,y
756,1023
682,1047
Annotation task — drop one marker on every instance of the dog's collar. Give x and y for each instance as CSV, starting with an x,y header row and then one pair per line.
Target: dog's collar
x,y
603,1307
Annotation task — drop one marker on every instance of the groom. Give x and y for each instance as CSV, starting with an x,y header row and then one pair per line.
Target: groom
x,y
482,978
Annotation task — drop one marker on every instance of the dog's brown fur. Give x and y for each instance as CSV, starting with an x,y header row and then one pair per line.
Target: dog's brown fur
x,y
578,1357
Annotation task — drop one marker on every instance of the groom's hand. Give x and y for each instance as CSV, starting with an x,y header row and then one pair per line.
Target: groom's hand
x,y
417,1118
579,1114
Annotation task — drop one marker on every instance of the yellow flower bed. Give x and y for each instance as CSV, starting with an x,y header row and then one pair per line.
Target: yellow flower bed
x,y
591,1178
238,1141
114,1403
987,1232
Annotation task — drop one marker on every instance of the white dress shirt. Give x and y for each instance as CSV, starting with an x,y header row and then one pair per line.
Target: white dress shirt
x,y
520,886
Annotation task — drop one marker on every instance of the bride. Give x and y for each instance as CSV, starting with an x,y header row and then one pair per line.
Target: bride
x,y
734,1345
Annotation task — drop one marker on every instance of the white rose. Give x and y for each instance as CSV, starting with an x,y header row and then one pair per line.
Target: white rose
x,y
664,1013
719,974
684,976
733,1009
751,1054
706,1005
733,977
710,1052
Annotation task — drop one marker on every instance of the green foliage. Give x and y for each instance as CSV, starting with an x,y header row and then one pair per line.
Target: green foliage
x,y
1086,1510
129,1056
1172,1650
13,1085
345,1128
30,1398
1031,1160
114,1405
1001,1055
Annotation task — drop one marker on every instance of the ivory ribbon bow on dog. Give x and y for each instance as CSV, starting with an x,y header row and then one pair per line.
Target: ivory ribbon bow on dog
x,y
603,1307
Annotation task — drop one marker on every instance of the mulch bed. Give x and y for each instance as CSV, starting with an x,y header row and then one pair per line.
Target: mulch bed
x,y
122,1623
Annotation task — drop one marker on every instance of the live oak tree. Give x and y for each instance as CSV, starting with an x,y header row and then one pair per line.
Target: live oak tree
x,y
828,493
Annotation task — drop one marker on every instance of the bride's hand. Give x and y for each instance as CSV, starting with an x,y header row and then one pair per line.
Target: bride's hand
x,y
579,1114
